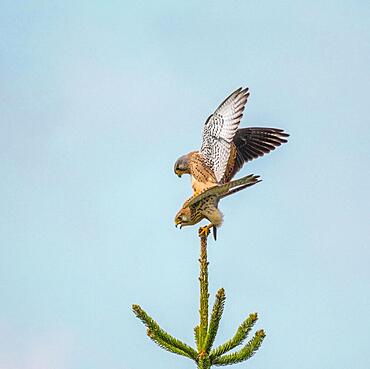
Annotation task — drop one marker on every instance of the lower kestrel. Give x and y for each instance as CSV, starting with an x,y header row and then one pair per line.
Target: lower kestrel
x,y
205,205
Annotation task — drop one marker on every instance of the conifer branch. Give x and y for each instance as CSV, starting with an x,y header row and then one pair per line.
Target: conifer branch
x,y
240,335
204,363
204,295
161,343
217,311
205,333
196,335
244,354
161,337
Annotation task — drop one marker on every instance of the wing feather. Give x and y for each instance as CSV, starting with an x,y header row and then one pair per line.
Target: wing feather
x,y
219,131
253,142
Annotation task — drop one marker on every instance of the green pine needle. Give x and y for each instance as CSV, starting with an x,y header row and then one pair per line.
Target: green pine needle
x,y
240,335
161,337
196,335
165,345
217,311
244,354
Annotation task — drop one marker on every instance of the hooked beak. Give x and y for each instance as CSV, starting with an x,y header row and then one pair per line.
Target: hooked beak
x,y
179,175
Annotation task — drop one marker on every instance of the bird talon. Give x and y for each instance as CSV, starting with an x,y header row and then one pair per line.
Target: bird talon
x,y
204,231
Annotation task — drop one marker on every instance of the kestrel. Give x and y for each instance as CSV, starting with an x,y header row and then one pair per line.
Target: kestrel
x,y
225,148
205,205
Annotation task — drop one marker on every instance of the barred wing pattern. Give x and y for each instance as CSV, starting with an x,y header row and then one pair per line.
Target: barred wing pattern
x,y
219,131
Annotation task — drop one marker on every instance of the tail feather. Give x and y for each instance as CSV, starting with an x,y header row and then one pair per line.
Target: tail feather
x,y
242,187
251,179
224,190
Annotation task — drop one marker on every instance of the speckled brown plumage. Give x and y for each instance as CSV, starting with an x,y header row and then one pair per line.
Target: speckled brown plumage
x,y
226,148
205,204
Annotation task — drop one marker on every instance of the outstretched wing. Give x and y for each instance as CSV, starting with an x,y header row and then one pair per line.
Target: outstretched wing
x,y
219,131
251,143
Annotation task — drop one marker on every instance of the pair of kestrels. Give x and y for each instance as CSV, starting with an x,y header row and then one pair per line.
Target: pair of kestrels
x,y
225,149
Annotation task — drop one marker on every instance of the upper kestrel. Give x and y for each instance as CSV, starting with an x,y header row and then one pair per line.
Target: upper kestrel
x,y
225,148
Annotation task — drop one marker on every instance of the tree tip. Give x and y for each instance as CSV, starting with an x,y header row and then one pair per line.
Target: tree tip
x,y
253,316
136,308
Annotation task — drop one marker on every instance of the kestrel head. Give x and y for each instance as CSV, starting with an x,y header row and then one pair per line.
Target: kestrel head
x,y
182,165
183,217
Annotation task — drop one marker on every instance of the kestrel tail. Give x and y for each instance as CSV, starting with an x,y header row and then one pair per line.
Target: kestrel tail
x,y
225,148
205,205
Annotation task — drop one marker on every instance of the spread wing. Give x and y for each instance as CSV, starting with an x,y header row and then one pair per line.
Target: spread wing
x,y
251,143
219,131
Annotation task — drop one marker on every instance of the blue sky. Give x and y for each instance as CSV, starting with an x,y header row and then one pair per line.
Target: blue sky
x,y
98,99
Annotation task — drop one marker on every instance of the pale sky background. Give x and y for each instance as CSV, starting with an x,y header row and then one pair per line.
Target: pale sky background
x,y
98,99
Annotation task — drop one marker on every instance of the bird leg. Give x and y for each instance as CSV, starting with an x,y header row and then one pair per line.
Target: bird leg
x,y
204,231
